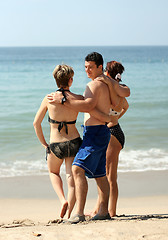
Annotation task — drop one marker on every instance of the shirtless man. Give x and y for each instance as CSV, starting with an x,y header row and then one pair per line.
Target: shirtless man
x,y
91,157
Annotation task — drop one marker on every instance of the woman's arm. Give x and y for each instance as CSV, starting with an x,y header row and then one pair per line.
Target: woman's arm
x,y
38,120
121,89
109,82
124,109
115,89
119,106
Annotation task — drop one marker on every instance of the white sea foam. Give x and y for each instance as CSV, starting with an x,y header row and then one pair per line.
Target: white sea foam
x,y
129,161
23,168
143,160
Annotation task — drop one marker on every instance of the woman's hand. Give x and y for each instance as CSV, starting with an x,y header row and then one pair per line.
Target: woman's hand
x,y
104,78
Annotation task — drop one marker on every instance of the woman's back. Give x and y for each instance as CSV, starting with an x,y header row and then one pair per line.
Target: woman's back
x,y
66,118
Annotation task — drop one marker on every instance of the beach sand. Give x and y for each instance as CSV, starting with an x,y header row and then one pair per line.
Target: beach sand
x,y
29,209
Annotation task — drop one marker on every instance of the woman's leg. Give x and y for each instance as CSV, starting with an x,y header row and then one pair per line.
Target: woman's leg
x,y
112,155
54,165
71,185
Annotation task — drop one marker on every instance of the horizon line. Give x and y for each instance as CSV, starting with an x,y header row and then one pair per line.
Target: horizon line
x,y
84,46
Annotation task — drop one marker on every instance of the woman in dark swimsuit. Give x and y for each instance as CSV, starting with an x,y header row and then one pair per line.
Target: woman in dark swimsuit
x,y
64,137
114,70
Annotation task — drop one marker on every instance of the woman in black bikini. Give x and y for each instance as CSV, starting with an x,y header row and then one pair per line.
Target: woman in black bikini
x,y
64,137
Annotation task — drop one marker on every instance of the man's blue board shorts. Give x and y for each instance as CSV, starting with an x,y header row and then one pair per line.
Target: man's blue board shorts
x,y
92,153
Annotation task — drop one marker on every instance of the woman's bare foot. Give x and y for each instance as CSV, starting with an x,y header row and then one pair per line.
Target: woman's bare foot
x,y
64,209
112,213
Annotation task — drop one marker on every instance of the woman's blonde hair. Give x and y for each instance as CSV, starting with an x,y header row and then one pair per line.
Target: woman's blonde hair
x,y
62,74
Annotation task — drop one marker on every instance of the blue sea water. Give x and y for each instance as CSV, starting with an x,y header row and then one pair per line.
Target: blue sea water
x,y
26,77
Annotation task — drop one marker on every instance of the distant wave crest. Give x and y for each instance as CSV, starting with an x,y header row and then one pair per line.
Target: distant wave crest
x,y
143,160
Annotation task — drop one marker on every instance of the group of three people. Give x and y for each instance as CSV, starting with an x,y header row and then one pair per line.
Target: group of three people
x,y
96,156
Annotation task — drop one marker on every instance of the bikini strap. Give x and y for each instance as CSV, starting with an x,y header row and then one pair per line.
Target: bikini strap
x,y
61,124
62,90
63,93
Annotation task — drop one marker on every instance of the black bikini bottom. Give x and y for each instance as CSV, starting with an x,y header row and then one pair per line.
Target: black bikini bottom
x,y
66,149
117,132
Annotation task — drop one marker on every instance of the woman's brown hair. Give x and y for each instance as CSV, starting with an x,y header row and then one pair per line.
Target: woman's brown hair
x,y
113,68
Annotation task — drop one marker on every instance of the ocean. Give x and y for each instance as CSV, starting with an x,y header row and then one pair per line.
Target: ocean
x,y
26,77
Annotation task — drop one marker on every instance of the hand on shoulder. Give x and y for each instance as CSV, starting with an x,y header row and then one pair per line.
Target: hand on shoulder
x,y
54,97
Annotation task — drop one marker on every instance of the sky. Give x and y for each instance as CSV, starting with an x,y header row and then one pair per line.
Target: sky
x,y
83,22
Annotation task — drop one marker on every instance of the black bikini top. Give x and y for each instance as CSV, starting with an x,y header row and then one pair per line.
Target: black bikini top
x,y
63,93
61,124
62,90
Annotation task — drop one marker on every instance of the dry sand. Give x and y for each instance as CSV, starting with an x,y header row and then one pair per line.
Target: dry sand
x,y
29,208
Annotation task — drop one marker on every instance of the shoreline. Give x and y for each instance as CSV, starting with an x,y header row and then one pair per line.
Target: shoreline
x,y
131,184
30,207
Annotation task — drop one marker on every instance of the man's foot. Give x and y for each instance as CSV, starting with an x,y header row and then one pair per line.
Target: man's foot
x,y
90,214
64,209
76,219
101,217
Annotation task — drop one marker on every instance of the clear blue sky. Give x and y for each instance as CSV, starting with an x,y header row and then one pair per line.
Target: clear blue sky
x,y
83,23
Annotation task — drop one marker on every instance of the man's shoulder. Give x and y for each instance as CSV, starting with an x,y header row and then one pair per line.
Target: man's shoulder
x,y
95,83
103,79
76,96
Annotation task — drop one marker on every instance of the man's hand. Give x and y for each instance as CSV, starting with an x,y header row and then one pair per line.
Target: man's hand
x,y
55,97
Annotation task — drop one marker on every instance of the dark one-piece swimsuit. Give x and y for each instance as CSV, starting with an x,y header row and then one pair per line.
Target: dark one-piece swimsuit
x,y
68,148
117,132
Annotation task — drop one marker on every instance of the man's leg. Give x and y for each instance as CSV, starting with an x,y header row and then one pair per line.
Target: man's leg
x,y
81,188
103,192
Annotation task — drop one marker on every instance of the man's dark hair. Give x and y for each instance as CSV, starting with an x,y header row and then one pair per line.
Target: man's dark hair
x,y
95,57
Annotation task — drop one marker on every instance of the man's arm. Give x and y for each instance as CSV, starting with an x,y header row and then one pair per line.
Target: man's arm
x,y
100,115
80,105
